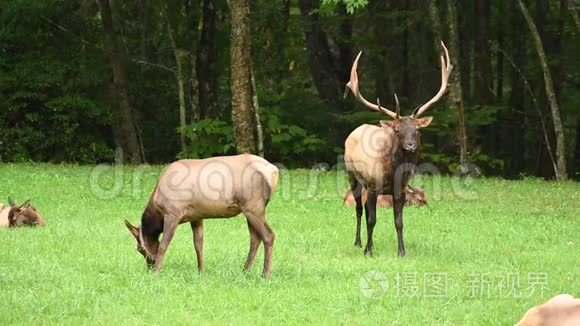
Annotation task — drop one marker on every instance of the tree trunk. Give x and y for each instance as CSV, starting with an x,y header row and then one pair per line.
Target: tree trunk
x,y
144,22
483,84
574,12
499,68
320,60
577,151
383,57
466,32
260,133
558,128
193,14
179,78
455,91
405,82
127,130
344,41
243,111
517,125
207,55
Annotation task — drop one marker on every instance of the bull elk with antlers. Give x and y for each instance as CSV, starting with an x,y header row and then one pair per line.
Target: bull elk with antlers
x,y
382,158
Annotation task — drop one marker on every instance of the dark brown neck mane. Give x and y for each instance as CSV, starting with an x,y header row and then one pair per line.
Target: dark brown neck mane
x,y
151,223
401,159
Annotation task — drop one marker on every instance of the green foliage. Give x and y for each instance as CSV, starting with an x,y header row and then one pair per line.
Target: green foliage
x,y
207,138
211,137
351,5
55,82
286,140
47,111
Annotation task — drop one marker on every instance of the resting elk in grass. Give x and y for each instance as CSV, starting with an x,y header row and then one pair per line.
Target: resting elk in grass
x,y
382,158
414,196
561,310
23,215
218,187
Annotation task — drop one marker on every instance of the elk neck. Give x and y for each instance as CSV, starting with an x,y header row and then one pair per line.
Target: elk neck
x,y
151,222
398,158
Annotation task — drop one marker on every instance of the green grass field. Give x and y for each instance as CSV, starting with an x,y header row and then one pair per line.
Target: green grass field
x,y
483,260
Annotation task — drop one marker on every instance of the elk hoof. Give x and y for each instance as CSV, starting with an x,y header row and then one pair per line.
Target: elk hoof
x,y
402,253
357,244
368,252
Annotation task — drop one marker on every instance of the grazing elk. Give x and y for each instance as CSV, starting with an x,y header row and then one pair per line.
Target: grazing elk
x,y
414,196
24,215
218,187
382,158
561,310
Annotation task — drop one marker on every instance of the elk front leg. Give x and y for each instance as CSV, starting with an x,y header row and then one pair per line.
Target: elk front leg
x,y
398,204
197,228
371,215
169,227
254,244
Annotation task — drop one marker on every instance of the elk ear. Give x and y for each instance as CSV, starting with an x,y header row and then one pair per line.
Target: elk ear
x,y
424,122
133,229
389,124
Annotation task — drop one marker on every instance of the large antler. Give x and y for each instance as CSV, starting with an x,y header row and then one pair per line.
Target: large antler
x,y
446,68
353,85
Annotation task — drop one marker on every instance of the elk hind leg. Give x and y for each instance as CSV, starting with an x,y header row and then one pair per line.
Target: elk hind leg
x,y
254,244
371,215
356,189
197,228
257,220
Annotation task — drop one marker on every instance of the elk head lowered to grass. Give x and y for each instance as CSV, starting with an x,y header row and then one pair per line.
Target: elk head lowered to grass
x,y
218,187
381,158
23,215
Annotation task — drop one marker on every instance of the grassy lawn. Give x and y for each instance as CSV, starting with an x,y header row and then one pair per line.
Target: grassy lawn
x,y
480,255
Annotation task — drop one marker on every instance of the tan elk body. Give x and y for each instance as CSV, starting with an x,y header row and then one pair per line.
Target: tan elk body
x,y
382,158
218,187
561,310
4,210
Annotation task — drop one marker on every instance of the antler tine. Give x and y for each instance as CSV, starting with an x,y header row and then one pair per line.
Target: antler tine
x,y
25,204
397,106
446,68
415,111
353,86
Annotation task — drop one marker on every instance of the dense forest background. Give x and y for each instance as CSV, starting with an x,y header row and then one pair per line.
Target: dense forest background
x,y
79,79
